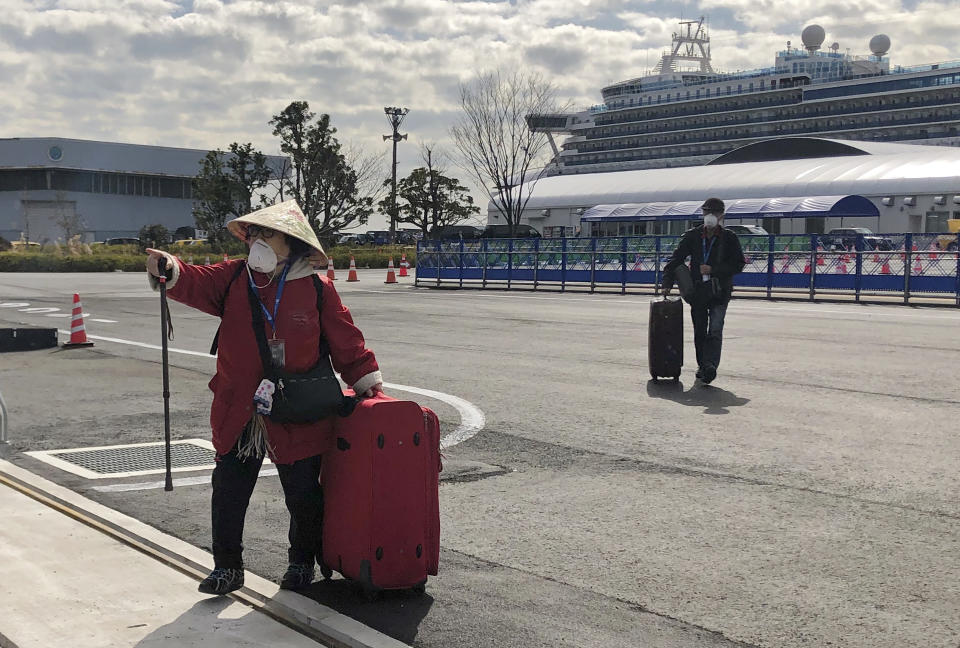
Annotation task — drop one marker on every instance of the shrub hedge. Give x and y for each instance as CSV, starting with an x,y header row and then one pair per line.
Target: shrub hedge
x,y
133,261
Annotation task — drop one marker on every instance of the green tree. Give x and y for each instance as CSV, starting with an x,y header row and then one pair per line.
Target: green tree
x,y
328,188
213,197
429,199
151,235
225,188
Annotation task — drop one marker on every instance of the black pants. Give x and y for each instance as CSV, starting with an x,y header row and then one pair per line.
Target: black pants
x,y
708,330
233,482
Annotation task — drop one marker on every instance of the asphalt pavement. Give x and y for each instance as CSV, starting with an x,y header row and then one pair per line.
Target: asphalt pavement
x,y
807,497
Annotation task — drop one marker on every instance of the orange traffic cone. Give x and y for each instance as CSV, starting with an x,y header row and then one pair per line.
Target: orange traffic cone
x,y
820,260
331,275
391,275
918,267
225,257
207,261
78,334
885,268
842,268
403,265
352,275
190,260
806,268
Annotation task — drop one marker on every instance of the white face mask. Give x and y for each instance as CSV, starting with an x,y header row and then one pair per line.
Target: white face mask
x,y
710,221
262,258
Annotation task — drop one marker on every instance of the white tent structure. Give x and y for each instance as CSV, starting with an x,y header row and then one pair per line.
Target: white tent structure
x,y
915,188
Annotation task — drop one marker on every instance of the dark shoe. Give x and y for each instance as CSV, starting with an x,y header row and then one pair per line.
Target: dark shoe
x,y
222,581
699,375
709,373
298,576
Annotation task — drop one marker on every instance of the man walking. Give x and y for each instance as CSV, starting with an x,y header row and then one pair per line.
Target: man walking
x,y
715,256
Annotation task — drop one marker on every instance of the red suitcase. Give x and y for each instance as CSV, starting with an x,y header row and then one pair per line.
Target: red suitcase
x,y
381,505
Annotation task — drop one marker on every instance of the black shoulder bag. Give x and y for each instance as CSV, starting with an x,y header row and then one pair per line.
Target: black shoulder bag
x,y
301,397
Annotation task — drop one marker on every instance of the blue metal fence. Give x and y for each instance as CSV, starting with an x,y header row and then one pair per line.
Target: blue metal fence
x,y
907,265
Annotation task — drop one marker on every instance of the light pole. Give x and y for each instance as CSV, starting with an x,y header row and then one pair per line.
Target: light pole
x,y
395,115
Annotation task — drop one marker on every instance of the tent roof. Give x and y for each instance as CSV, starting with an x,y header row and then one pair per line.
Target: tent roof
x,y
910,170
787,207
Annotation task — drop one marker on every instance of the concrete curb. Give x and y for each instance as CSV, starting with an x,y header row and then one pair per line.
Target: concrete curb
x,y
298,612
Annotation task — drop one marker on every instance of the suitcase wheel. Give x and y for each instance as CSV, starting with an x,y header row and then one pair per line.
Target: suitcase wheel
x,y
326,572
419,590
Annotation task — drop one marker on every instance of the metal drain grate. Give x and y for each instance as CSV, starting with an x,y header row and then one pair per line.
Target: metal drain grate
x,y
130,460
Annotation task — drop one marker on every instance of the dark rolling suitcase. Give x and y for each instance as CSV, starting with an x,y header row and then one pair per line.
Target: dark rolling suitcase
x,y
665,338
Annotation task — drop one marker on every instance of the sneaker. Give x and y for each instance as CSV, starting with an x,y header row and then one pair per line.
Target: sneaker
x,y
709,373
222,581
298,576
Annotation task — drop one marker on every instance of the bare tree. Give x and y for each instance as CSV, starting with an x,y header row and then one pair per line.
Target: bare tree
x,y
496,146
67,218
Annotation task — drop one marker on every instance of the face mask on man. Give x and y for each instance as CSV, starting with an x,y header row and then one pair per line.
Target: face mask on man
x,y
262,258
710,221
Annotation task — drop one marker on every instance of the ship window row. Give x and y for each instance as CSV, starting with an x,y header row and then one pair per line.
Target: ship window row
x,y
890,84
704,107
799,127
122,184
713,147
863,105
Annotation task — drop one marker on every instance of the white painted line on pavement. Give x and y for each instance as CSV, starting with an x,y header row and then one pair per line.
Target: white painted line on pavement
x,y
104,321
14,304
59,315
38,309
472,418
183,481
143,345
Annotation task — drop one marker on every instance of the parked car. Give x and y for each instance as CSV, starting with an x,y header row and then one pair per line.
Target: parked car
x,y
378,237
24,245
189,241
351,239
503,231
456,231
748,230
122,240
845,238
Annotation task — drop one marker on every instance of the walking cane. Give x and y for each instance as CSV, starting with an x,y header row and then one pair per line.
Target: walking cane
x,y
164,319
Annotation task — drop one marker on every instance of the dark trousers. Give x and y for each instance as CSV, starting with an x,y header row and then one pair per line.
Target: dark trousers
x,y
233,482
708,330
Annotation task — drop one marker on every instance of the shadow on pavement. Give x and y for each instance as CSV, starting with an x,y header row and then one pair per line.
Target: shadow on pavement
x,y
395,613
194,627
713,399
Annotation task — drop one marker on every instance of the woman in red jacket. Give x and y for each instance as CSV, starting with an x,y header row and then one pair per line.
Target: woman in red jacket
x,y
279,269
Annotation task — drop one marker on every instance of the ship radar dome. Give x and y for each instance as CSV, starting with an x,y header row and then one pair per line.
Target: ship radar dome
x,y
880,44
812,37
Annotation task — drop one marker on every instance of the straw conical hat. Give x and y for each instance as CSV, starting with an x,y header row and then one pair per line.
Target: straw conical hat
x,y
284,217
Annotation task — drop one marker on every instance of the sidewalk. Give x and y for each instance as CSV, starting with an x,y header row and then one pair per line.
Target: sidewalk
x,y
73,572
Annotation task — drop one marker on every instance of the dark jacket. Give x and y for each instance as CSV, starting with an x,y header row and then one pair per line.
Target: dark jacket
x,y
725,257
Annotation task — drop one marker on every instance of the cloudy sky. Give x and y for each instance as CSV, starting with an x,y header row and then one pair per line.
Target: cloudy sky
x,y
204,73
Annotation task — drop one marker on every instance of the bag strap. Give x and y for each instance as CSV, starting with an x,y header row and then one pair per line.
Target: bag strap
x,y
258,331
216,337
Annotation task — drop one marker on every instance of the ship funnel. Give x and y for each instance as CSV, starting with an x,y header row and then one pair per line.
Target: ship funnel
x,y
812,37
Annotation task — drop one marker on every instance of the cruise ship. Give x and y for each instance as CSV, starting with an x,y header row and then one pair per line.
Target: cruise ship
x,y
685,113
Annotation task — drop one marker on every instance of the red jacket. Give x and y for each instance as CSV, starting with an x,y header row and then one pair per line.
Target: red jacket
x,y
239,368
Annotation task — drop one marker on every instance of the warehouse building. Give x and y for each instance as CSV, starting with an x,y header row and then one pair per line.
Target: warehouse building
x,y
50,186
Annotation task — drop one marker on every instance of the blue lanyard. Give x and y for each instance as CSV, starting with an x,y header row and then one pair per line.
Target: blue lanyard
x,y
276,302
707,250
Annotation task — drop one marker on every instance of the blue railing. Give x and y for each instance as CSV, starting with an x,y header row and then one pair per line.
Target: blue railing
x,y
777,266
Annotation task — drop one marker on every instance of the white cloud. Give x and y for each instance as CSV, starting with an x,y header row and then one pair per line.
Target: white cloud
x,y
204,73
